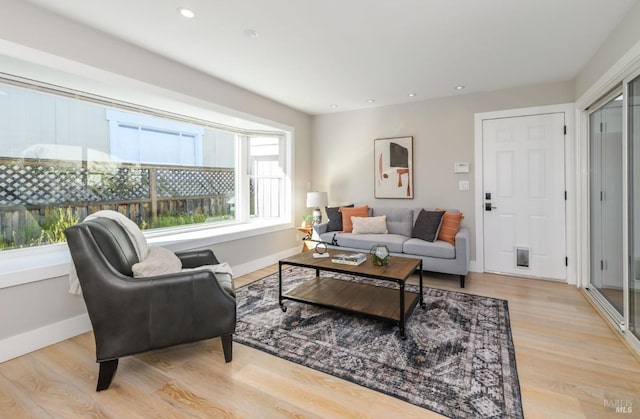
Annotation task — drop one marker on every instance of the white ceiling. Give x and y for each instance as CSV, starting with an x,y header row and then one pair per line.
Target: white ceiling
x,y
312,54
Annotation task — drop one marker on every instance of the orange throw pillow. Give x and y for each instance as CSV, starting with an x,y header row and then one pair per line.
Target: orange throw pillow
x,y
450,226
347,213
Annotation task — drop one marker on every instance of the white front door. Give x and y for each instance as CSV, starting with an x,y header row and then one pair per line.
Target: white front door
x,y
524,195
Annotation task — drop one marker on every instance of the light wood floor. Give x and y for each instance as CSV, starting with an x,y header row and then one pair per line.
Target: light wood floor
x,y
569,362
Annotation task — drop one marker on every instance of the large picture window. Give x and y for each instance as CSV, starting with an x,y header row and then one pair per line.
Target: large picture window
x,y
62,158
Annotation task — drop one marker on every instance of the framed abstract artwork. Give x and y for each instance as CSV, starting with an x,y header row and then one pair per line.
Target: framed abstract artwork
x,y
393,167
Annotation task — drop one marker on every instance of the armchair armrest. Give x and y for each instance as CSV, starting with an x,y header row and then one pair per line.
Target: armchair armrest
x,y
196,258
183,308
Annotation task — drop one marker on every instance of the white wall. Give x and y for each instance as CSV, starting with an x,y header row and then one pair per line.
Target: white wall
x,y
443,133
78,53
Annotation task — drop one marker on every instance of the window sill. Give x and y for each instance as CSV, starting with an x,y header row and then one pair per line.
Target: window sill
x,y
22,266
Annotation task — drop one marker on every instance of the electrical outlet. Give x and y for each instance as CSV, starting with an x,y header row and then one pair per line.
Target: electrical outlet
x,y
463,185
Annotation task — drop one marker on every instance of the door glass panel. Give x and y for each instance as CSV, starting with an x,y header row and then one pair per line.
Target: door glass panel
x,y
605,140
634,202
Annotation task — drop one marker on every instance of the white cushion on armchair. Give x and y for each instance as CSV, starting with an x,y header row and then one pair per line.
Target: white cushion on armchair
x,y
159,261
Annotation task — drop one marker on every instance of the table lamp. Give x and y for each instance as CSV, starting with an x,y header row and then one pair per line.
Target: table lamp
x,y
317,200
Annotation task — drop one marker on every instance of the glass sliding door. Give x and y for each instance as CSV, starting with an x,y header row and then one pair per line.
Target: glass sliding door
x,y
614,207
606,197
633,138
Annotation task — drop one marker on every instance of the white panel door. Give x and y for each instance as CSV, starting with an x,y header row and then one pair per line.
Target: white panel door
x,y
523,191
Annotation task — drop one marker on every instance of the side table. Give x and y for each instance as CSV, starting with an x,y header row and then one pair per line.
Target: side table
x,y
306,243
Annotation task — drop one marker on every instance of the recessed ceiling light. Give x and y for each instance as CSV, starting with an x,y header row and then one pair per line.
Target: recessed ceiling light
x,y
251,33
188,13
371,100
460,87
412,94
334,106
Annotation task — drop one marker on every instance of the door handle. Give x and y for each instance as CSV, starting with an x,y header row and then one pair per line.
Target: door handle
x,y
488,207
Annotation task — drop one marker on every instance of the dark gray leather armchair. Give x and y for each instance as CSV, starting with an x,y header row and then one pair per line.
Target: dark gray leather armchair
x,y
133,315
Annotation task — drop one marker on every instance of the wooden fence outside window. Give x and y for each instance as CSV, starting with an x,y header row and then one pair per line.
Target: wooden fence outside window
x,y
31,187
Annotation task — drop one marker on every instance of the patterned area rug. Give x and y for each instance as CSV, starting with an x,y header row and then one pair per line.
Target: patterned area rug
x,y
458,359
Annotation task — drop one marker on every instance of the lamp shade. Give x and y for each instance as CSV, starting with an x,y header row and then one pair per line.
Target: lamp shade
x,y
317,199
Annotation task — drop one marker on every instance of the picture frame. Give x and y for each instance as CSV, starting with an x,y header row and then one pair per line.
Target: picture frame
x,y
393,168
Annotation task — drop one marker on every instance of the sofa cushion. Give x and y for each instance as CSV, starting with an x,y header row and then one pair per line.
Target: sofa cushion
x,y
365,241
416,211
335,218
328,236
347,213
450,226
370,225
399,220
427,225
438,249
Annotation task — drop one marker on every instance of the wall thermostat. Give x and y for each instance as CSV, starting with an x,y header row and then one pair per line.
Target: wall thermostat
x,y
461,168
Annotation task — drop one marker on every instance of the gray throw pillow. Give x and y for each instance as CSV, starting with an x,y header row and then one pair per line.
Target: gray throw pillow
x,y
427,225
335,218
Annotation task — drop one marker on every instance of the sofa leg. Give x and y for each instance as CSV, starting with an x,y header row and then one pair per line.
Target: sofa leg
x,y
227,343
462,277
107,371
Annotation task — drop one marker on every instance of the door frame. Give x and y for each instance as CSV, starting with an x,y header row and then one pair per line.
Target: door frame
x,y
569,174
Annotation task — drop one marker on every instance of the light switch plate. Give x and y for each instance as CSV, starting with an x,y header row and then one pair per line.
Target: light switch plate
x,y
463,185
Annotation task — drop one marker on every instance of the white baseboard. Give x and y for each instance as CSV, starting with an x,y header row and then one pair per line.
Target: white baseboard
x,y
15,346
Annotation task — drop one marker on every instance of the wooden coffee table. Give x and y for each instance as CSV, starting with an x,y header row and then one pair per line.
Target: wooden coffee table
x,y
357,297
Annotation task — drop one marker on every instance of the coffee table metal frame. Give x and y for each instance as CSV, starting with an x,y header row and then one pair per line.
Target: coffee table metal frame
x,y
305,260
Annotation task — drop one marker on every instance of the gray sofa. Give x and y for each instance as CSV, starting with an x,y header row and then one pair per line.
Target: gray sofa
x,y
437,256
